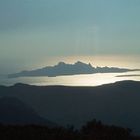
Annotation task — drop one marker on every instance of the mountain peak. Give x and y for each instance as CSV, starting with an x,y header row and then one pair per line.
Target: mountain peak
x,y
61,63
80,63
76,63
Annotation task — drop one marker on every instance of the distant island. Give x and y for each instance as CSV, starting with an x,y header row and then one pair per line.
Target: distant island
x,y
62,69
129,75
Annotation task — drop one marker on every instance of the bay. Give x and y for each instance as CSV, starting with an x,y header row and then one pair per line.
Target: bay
x,y
74,80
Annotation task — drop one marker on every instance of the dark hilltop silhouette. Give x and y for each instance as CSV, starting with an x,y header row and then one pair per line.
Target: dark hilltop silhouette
x,y
19,121
69,69
116,103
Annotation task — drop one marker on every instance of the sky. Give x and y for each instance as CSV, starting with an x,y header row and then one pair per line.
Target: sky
x,y
32,31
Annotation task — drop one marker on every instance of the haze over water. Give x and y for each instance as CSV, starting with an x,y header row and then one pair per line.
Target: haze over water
x,y
130,62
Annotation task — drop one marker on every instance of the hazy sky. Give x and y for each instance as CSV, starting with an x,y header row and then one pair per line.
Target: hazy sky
x,y
33,30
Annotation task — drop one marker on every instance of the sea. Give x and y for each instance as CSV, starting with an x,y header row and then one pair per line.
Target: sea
x,y
83,79
75,80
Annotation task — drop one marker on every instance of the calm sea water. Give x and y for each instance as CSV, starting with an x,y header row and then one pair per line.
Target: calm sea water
x,y
130,62
76,80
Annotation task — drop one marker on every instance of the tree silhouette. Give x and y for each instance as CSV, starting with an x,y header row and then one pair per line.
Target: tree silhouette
x,y
93,130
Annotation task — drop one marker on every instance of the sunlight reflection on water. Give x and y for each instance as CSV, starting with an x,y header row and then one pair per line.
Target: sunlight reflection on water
x,y
130,62
75,80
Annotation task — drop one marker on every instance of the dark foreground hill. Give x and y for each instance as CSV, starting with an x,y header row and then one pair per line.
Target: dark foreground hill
x,y
116,103
15,112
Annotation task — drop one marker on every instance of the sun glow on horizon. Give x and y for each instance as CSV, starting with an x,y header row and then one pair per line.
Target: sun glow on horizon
x,y
120,61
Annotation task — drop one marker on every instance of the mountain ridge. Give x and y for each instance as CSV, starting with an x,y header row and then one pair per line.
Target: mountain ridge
x,y
62,69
